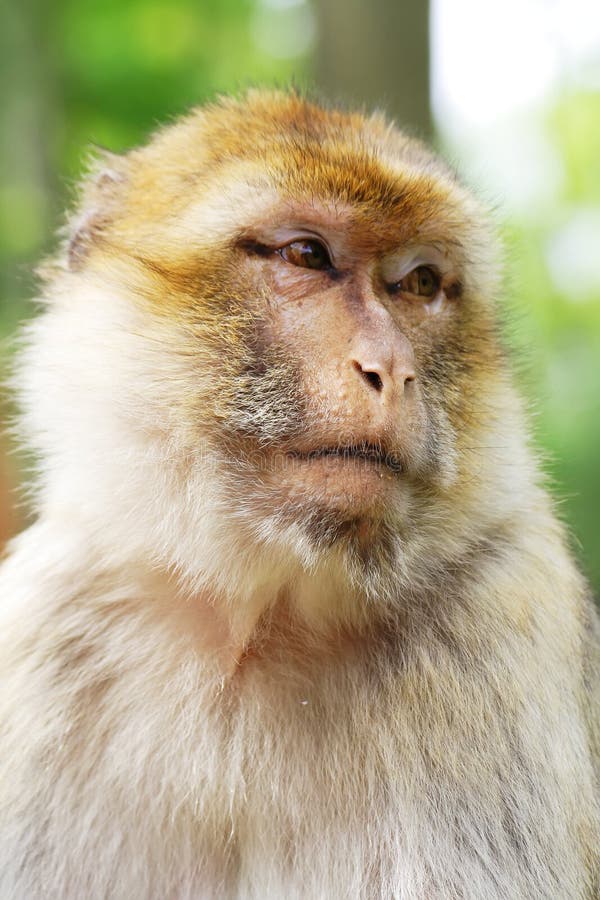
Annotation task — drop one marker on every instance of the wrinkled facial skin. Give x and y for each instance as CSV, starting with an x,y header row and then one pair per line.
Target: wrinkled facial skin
x,y
336,294
349,334
354,385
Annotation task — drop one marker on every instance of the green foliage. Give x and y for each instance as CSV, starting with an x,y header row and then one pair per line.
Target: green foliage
x,y
573,127
130,65
560,323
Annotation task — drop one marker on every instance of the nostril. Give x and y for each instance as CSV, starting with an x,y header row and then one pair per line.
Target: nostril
x,y
374,380
372,377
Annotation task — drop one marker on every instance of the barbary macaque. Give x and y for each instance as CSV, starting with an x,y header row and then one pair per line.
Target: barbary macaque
x,y
296,618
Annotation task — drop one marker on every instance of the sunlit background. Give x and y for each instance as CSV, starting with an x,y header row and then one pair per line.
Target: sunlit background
x,y
510,93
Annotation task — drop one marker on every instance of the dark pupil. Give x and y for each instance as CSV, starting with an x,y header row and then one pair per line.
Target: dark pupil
x,y
310,254
425,281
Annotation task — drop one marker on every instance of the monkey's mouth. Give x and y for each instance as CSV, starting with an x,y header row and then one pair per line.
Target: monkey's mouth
x,y
369,455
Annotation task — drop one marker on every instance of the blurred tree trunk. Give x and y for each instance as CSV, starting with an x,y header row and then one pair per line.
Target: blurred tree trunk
x,y
377,54
30,127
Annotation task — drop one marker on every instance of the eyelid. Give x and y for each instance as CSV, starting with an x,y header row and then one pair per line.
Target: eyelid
x,y
398,266
267,241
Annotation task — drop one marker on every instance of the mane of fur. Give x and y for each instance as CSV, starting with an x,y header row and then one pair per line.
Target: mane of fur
x,y
199,701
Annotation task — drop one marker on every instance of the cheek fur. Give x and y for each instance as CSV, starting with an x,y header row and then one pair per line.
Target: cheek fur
x,y
267,405
256,387
457,357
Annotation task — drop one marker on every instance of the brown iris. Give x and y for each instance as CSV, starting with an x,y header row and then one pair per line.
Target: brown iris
x,y
421,282
307,254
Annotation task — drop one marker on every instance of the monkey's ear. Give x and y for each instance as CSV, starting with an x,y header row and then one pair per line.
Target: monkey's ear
x,y
100,198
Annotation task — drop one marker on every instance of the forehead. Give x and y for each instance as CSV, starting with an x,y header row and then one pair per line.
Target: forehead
x,y
249,201
223,169
348,157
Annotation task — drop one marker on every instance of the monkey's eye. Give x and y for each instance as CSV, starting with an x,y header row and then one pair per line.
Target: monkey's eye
x,y
421,282
307,254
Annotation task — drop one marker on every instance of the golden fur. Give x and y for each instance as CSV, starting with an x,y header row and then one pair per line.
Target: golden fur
x,y
215,681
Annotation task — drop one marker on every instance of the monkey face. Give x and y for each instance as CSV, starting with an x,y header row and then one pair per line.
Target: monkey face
x,y
345,410
341,414
348,425
304,334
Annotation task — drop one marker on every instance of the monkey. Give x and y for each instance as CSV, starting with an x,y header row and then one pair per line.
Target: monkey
x,y
296,617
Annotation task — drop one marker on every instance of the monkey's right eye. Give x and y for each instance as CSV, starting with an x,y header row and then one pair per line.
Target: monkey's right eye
x,y
307,254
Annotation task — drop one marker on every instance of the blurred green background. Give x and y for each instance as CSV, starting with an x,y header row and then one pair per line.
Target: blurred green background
x,y
76,73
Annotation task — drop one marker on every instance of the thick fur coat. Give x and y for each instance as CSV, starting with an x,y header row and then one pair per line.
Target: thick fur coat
x,y
213,686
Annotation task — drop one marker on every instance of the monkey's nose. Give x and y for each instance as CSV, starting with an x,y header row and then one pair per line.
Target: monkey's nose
x,y
385,376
